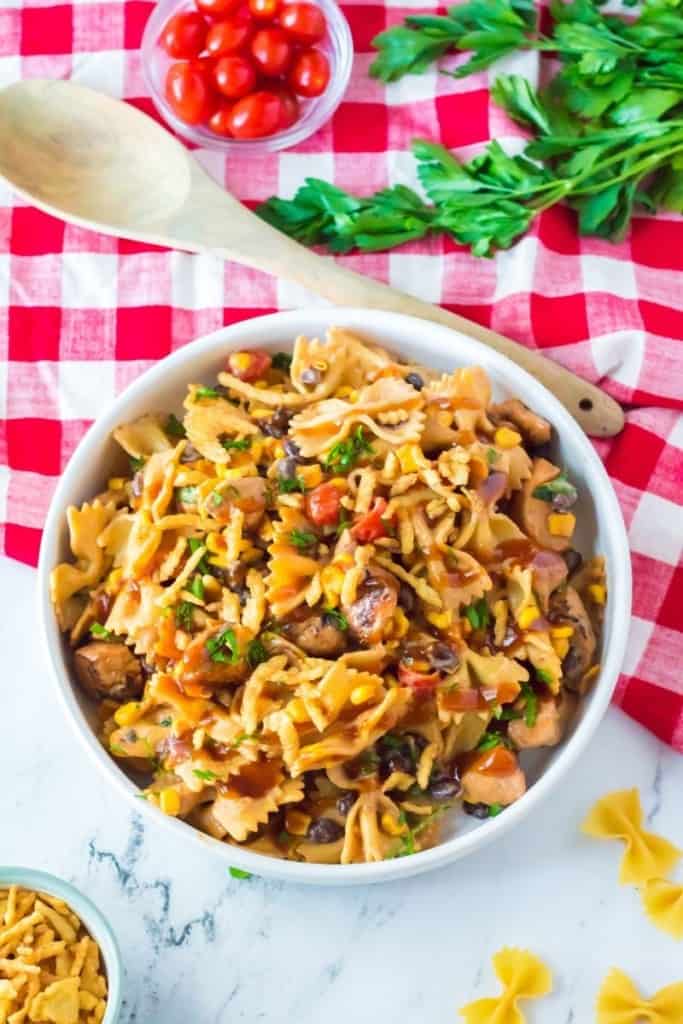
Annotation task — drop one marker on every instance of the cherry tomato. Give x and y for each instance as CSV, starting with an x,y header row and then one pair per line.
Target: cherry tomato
x,y
234,76
264,10
310,73
256,115
249,365
184,34
217,8
304,22
188,91
271,48
219,122
371,526
418,680
323,505
229,35
290,108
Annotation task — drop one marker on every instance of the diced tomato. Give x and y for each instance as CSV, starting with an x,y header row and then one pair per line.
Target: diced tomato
x,y
323,505
462,700
418,680
371,526
498,762
249,366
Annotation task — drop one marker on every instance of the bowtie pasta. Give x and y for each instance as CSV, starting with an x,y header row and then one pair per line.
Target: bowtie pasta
x,y
336,598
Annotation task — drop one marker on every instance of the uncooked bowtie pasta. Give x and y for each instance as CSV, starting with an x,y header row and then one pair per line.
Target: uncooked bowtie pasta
x,y
332,601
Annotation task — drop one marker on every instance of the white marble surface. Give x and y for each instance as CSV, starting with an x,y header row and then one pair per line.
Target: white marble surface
x,y
200,946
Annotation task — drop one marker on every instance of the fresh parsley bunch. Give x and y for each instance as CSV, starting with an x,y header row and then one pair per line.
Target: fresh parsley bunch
x,y
607,131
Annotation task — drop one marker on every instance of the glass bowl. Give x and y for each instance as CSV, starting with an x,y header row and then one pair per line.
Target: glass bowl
x,y
93,919
337,46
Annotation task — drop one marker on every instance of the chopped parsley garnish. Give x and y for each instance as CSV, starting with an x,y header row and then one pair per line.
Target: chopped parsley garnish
x,y
477,614
183,615
558,486
495,810
287,485
136,464
239,740
174,427
407,844
491,456
207,776
338,619
344,455
166,722
188,495
530,705
343,524
282,361
196,587
256,653
193,543
98,630
489,740
239,873
235,444
302,539
545,676
369,762
206,393
224,647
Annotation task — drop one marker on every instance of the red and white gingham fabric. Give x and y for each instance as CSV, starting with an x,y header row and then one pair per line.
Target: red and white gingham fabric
x,y
82,315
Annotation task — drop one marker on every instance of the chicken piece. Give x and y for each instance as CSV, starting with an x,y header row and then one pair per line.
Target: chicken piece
x,y
532,513
479,788
567,607
318,636
549,571
550,725
533,428
374,607
247,493
216,657
109,670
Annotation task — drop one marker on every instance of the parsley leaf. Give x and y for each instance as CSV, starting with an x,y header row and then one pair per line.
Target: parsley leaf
x,y
184,615
256,653
224,647
287,485
491,456
282,361
489,740
174,427
206,393
559,485
197,542
344,455
530,705
302,539
338,619
477,614
238,444
100,632
136,464
495,810
196,587
166,722
545,676
207,776
240,874
187,495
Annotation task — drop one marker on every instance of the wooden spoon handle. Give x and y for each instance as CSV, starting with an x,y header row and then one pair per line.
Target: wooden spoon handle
x,y
257,244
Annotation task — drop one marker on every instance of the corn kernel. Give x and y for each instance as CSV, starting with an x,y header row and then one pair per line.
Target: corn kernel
x,y
362,694
410,456
215,542
262,385
128,713
113,580
344,392
278,451
332,581
344,561
296,709
239,361
561,524
401,624
169,801
392,826
562,632
442,620
260,412
311,475
561,647
116,483
504,437
444,418
319,364
340,482
527,616
597,593
296,822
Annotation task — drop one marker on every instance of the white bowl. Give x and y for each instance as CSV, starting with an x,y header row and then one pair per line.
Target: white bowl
x,y
600,529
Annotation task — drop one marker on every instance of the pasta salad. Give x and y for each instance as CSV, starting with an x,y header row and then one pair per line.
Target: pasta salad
x,y
333,600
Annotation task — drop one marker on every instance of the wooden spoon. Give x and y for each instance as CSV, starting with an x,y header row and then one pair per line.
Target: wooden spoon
x,y
100,163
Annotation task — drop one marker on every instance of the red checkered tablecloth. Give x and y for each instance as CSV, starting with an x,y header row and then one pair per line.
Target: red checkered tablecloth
x,y
82,315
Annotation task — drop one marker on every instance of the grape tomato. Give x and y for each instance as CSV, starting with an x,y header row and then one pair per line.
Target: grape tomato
x,y
303,22
228,36
184,34
234,76
271,49
310,73
188,91
255,116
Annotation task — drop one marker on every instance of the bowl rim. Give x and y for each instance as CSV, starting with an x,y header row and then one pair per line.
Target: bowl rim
x,y
246,333
91,916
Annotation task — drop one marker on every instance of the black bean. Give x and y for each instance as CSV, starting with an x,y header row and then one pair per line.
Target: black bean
x,y
573,559
325,830
416,380
406,598
190,453
476,810
444,789
443,657
286,468
277,425
419,741
397,761
310,376
292,448
346,802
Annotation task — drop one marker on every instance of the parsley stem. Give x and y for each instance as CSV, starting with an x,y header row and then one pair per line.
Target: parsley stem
x,y
635,171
